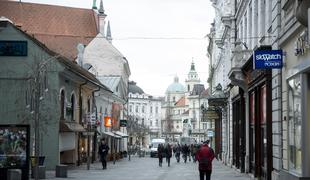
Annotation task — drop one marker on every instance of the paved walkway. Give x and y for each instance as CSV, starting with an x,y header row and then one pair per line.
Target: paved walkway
x,y
147,169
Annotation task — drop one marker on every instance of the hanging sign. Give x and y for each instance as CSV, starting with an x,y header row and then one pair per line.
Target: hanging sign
x,y
268,59
107,121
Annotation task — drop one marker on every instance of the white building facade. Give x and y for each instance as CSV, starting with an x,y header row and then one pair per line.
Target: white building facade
x,y
144,115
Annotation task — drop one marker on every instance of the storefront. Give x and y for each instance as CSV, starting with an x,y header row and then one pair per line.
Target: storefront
x,y
298,120
260,119
239,135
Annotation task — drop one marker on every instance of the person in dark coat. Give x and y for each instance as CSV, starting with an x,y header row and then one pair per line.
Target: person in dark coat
x,y
103,152
185,152
177,151
160,152
205,156
168,153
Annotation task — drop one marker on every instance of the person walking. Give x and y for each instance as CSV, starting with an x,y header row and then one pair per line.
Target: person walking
x,y
168,153
103,152
185,152
177,152
205,156
160,152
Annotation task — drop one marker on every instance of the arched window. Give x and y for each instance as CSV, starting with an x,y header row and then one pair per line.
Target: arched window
x,y
62,104
72,107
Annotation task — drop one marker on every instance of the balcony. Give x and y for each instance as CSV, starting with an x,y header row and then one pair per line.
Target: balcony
x,y
239,58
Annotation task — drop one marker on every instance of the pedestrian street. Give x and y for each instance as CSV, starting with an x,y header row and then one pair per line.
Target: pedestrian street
x,y
147,169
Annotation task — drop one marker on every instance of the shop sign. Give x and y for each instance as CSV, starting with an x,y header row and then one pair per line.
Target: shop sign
x,y
13,48
123,123
107,121
212,114
210,133
268,59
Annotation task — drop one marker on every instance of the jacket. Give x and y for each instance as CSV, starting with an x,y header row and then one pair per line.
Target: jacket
x,y
205,154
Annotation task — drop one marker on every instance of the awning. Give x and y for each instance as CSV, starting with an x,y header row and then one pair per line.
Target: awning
x,y
70,127
123,135
111,134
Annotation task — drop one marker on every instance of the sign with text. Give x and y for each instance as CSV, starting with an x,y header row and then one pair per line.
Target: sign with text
x,y
123,123
212,115
13,48
268,59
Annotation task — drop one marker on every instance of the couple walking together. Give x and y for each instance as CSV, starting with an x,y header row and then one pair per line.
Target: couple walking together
x,y
164,151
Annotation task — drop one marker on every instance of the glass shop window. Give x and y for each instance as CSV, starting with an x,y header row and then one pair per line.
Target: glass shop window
x,y
294,124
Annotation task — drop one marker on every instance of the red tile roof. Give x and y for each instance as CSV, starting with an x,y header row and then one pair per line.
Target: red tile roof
x,y
59,28
180,102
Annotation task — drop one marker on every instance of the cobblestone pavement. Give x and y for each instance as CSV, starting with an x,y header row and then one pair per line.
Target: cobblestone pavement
x,y
148,169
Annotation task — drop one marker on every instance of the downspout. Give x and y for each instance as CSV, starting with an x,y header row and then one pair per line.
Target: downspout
x,y
80,119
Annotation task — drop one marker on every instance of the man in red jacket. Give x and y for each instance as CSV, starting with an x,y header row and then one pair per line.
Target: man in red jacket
x,y
205,156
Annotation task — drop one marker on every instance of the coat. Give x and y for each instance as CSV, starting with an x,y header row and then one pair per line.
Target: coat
x,y
205,154
103,150
168,151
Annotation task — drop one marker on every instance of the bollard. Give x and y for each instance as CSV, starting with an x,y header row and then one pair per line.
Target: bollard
x,y
14,174
62,170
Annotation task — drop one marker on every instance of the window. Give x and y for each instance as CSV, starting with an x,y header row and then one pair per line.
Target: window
x,y
151,109
143,109
142,121
116,88
294,124
173,99
156,110
188,88
137,108
156,122
62,104
72,107
130,108
151,123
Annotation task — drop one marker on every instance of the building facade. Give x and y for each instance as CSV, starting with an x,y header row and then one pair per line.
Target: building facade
x,y
145,116
266,124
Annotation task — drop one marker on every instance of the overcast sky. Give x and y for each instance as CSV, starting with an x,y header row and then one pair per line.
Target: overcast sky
x,y
137,28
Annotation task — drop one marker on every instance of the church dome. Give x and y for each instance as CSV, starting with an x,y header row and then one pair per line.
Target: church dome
x,y
134,89
176,87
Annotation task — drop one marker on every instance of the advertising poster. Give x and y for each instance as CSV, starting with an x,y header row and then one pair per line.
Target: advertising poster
x,y
14,148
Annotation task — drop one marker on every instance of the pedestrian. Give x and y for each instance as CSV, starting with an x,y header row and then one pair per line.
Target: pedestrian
x,y
168,150
160,152
185,151
103,152
177,151
205,156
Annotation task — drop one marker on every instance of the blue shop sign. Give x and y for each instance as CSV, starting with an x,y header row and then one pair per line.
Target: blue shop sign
x,y
268,59
13,48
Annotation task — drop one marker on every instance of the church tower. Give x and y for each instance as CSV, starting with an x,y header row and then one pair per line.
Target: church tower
x,y
192,78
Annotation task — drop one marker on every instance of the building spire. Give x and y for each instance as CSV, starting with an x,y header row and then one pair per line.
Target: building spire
x,y
94,4
101,10
193,65
109,35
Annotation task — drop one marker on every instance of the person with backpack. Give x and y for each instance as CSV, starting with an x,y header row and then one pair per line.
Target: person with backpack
x,y
205,156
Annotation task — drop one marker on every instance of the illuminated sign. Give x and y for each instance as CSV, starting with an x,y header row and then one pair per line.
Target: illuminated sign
x,y
268,59
107,121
